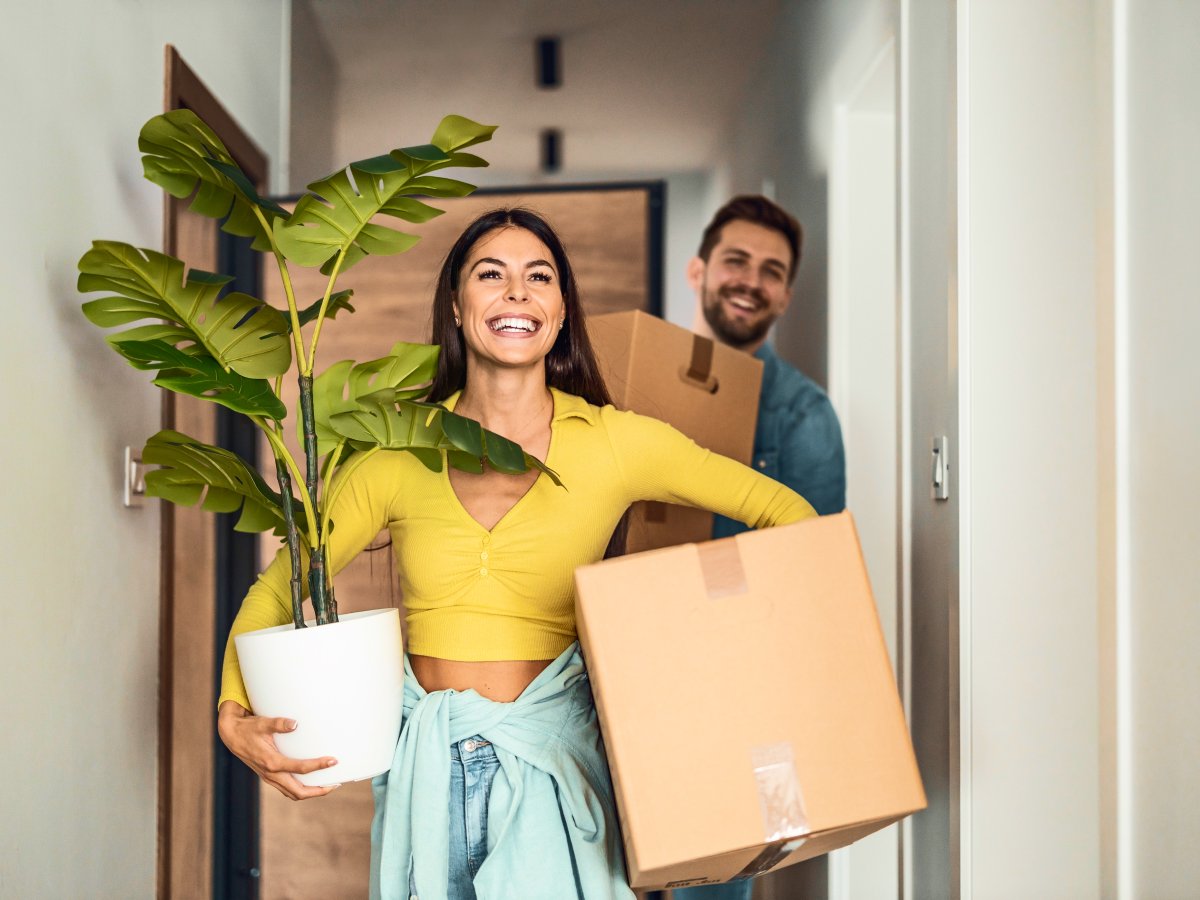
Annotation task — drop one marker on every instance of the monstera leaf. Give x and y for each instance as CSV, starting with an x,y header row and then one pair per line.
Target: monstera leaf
x,y
426,429
182,153
201,376
336,217
338,301
241,333
193,472
401,375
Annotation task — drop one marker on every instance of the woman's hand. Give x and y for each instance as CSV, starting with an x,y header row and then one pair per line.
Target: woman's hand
x,y
252,740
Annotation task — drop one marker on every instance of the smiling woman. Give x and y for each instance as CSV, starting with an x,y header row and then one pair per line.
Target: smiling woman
x,y
498,716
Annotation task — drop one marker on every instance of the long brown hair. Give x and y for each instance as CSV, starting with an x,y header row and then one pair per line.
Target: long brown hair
x,y
571,363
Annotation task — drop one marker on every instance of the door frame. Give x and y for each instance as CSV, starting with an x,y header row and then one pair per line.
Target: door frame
x,y
183,89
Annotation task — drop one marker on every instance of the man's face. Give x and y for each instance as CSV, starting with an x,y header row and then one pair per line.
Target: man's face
x,y
743,288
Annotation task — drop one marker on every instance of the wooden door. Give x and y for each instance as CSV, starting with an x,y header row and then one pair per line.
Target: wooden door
x,y
188,640
613,233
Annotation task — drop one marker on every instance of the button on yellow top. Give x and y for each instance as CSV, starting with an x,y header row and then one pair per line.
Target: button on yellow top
x,y
482,573
483,555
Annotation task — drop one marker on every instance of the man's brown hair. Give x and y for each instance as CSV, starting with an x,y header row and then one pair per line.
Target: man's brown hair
x,y
761,211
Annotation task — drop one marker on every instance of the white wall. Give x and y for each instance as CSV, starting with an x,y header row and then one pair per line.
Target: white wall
x,y
79,643
783,133
314,94
1159,374
1029,168
1080,573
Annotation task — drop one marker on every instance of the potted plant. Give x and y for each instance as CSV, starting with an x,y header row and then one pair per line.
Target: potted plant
x,y
343,679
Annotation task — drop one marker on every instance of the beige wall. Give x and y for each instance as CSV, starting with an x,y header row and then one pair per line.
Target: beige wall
x,y
314,97
1030,134
1159,375
79,640
1049,270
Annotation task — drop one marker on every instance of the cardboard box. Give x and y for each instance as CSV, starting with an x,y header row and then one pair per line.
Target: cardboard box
x,y
747,702
705,389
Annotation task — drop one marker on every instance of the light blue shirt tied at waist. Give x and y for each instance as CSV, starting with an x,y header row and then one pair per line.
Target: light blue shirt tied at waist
x,y
552,826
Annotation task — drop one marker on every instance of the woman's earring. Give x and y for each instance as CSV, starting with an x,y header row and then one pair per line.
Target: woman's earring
x,y
457,322
560,324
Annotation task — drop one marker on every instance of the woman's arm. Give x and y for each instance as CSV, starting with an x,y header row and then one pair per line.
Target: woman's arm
x,y
660,463
362,510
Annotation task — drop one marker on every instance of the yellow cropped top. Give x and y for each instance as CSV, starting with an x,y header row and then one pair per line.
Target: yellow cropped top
x,y
508,593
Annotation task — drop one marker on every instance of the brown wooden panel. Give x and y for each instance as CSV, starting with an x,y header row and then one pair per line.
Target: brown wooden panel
x,y
192,651
321,849
187,657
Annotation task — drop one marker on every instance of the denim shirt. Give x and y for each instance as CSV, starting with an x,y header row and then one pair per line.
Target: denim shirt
x,y
797,441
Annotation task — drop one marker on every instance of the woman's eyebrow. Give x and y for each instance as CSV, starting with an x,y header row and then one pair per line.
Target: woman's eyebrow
x,y
538,262
488,259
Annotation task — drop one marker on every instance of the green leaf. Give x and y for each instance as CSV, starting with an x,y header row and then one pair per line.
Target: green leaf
x,y
337,218
456,132
201,376
344,386
218,479
434,186
240,332
337,301
183,155
426,430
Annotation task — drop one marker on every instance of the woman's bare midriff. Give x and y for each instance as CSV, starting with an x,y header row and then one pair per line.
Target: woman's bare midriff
x,y
499,680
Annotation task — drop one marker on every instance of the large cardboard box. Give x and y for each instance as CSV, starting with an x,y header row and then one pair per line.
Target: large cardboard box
x,y
705,389
747,702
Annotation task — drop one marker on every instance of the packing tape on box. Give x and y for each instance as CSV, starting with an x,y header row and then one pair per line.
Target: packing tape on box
x,y
785,823
699,370
771,856
721,566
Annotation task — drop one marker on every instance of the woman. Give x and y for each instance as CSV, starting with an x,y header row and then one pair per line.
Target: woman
x,y
498,714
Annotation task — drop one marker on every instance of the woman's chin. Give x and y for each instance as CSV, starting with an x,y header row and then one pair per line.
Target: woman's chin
x,y
512,354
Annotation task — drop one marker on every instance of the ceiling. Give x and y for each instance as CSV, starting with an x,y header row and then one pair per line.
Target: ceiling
x,y
648,87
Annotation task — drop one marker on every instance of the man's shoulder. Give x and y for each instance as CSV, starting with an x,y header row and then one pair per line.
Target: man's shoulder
x,y
787,388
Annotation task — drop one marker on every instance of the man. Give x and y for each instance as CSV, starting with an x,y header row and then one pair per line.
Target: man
x,y
743,276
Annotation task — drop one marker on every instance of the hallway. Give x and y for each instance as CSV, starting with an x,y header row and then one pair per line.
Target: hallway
x,y
999,204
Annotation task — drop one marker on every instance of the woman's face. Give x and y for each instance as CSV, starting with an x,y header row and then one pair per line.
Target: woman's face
x,y
509,299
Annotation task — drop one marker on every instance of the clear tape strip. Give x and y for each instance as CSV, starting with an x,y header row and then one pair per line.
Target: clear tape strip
x,y
721,566
771,856
779,795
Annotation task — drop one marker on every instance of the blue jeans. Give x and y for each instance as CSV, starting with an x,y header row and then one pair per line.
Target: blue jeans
x,y
734,890
473,766
472,769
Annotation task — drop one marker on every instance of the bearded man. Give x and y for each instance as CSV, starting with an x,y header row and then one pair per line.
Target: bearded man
x,y
743,276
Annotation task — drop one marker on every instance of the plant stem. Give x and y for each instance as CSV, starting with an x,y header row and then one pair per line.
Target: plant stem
x,y
285,276
331,499
318,587
318,572
281,452
330,468
312,350
293,542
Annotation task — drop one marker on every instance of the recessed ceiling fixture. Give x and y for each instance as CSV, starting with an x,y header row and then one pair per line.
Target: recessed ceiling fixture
x,y
551,145
547,56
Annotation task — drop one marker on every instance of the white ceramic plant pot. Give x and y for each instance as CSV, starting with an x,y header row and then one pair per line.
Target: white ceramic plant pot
x,y
343,684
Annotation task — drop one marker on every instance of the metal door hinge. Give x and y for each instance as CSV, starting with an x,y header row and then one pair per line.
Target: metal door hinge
x,y
135,478
941,468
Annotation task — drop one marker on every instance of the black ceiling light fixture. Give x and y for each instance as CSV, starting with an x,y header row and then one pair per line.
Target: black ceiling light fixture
x,y
547,56
547,75
551,149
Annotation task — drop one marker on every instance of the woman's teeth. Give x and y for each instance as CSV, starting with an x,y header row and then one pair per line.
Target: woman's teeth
x,y
513,324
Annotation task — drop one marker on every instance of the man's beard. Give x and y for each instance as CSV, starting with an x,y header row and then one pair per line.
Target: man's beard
x,y
734,332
